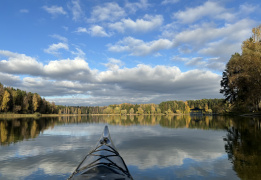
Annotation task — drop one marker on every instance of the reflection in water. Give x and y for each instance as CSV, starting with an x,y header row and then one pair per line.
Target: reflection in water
x,y
16,130
153,146
244,148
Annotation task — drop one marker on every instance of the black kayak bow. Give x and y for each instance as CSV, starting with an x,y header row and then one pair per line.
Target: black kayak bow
x,y
103,162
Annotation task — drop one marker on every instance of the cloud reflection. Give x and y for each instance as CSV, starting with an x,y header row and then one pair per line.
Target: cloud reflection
x,y
58,150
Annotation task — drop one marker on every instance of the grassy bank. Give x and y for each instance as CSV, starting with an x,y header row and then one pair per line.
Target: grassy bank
x,y
36,115
11,115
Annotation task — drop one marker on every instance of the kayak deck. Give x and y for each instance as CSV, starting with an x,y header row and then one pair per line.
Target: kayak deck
x,y
103,162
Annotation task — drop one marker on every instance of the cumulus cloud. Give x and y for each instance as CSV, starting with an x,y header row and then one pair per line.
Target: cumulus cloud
x,y
81,30
19,64
97,31
208,9
138,47
94,30
9,79
107,12
55,10
76,69
113,64
54,48
66,69
212,41
140,25
117,84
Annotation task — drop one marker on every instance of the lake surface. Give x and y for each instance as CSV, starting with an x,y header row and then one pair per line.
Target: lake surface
x,y
153,147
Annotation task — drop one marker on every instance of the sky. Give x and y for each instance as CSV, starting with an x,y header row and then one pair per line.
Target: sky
x,y
88,53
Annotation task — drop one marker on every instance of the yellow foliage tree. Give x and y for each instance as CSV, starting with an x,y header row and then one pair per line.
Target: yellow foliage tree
x,y
36,102
6,100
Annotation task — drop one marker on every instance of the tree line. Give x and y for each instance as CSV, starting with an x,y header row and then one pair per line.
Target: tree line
x,y
208,106
21,102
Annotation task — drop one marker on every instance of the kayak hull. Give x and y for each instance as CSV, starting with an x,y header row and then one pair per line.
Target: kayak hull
x,y
103,162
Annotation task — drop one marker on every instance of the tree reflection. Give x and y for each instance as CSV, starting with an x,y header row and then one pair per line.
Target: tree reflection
x,y
12,131
244,148
198,122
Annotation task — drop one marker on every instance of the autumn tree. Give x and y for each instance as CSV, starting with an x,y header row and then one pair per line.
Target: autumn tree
x,y
123,112
108,110
36,102
2,91
140,111
241,82
131,111
187,109
117,110
6,101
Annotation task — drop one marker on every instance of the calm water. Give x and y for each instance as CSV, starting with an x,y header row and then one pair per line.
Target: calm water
x,y
153,147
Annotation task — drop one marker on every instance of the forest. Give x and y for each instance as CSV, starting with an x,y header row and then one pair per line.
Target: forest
x,y
20,102
208,106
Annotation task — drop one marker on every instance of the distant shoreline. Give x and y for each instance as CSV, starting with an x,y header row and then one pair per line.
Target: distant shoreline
x,y
36,115
10,115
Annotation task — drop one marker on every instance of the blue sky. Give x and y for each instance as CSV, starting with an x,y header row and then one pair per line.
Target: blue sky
x,y
84,52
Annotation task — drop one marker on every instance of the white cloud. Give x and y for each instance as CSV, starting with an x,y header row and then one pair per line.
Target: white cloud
x,y
59,37
216,64
55,10
222,48
159,79
212,41
81,30
149,23
76,69
208,9
97,31
133,7
114,64
54,48
76,9
19,64
247,8
196,61
117,84
107,12
169,2
9,79
145,85
138,47
79,53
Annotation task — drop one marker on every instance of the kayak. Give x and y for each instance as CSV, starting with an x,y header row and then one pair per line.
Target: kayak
x,y
103,162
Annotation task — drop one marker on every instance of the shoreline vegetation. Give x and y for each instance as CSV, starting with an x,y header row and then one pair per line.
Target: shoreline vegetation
x,y
38,115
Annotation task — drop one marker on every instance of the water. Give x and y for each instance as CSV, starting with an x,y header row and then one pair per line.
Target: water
x,y
153,147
